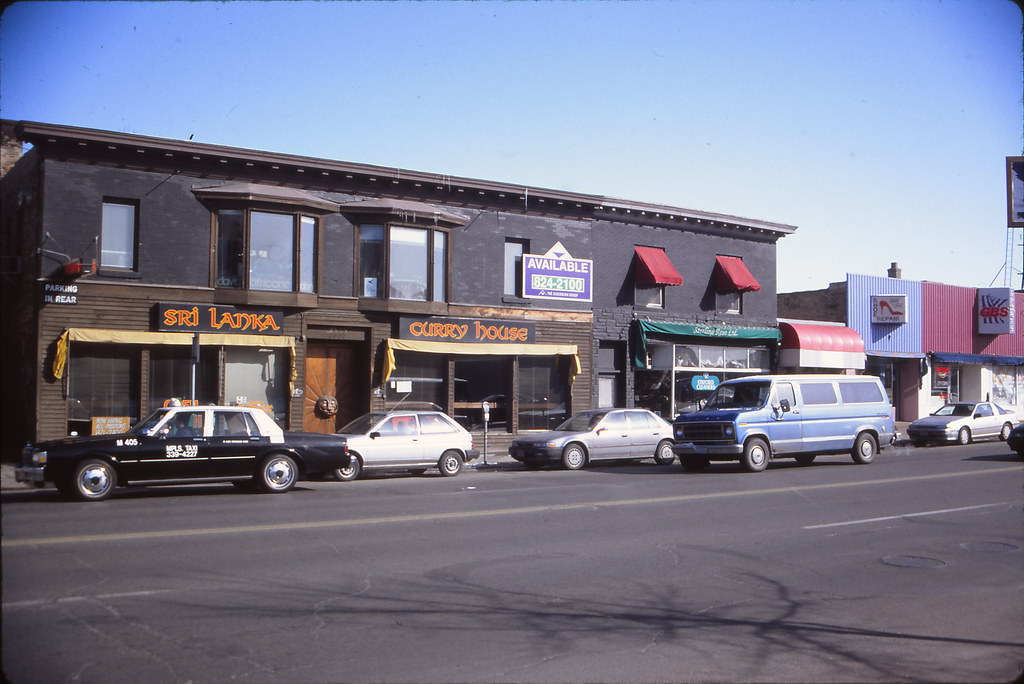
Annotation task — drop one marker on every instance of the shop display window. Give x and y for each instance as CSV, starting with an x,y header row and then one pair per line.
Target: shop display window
x,y
418,382
103,381
480,379
257,377
170,375
542,404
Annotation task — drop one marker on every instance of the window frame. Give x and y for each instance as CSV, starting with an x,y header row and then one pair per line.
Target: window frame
x,y
299,219
516,266
134,256
436,293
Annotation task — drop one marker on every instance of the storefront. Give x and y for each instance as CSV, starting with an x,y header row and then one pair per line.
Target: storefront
x,y
678,365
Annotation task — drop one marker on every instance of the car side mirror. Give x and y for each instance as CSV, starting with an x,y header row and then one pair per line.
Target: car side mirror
x,y
374,435
164,432
599,431
784,404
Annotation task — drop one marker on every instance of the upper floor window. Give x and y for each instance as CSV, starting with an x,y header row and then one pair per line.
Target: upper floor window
x,y
118,235
514,250
403,262
262,250
652,272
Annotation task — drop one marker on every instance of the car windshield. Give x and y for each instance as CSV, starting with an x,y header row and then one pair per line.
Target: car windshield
x,y
955,410
362,424
145,427
740,395
582,422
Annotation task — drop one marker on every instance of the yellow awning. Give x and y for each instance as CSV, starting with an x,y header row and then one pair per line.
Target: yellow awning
x,y
70,335
481,349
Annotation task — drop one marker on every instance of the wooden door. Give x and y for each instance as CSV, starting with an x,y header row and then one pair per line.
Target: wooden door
x,y
335,391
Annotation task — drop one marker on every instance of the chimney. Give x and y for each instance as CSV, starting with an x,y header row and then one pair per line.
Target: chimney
x,y
895,271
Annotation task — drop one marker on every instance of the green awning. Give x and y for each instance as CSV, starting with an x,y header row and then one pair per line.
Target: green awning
x,y
719,332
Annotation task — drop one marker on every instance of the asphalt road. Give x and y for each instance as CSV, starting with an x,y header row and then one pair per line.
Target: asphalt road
x,y
908,569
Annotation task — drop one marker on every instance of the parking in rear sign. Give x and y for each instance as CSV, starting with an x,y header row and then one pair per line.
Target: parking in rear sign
x,y
557,275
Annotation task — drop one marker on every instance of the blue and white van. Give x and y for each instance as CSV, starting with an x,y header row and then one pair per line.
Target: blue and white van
x,y
761,418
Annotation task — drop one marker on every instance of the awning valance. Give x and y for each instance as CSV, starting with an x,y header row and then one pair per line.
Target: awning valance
x,y
732,275
654,268
722,332
428,347
807,345
70,335
978,359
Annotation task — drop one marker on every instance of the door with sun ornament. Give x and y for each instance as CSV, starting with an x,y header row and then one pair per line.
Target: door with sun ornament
x,y
335,391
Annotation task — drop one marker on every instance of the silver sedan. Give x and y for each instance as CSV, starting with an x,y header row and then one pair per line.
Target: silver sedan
x,y
600,434
963,423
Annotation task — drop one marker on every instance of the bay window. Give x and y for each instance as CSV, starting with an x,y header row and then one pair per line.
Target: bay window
x,y
264,250
402,262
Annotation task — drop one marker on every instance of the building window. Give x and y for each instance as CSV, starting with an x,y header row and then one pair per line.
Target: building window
x,y
255,376
480,379
170,375
418,382
652,297
729,302
102,381
261,250
514,250
401,262
118,235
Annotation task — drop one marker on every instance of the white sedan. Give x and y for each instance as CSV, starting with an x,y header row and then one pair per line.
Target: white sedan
x,y
963,423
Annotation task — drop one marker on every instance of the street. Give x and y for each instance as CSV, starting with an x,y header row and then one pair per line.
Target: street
x,y
908,569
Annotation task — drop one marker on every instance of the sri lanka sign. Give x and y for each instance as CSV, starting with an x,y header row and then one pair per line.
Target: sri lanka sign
x,y
556,275
995,311
223,319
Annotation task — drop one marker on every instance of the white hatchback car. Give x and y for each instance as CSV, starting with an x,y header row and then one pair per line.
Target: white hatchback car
x,y
406,440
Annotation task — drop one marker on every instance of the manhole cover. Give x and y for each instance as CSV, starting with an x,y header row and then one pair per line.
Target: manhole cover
x,y
990,547
913,562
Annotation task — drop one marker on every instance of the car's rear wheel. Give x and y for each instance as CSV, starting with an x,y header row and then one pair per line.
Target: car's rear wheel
x,y
964,436
864,449
664,455
450,463
574,457
755,455
351,472
1004,434
277,474
93,480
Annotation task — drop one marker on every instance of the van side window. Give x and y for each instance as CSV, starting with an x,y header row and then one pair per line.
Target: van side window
x,y
860,392
784,390
818,393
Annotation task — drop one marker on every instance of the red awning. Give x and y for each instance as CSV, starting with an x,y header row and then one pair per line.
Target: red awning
x,y
732,275
806,345
654,268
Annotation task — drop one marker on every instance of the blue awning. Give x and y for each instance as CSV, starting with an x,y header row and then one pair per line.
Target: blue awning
x,y
979,359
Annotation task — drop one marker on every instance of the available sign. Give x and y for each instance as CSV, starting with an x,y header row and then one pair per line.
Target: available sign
x,y
556,275
889,308
211,318
995,311
469,330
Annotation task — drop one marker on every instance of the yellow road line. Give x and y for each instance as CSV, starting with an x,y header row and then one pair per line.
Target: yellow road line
x,y
483,513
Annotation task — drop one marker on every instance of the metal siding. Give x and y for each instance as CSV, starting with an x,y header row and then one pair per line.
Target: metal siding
x,y
884,338
951,322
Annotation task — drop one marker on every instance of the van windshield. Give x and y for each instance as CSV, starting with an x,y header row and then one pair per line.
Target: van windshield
x,y
740,395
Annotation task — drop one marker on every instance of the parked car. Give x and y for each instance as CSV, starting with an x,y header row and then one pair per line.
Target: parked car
x,y
599,434
184,444
963,423
760,418
405,440
1016,440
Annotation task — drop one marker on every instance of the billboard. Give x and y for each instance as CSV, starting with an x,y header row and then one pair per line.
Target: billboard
x,y
889,308
995,311
1015,192
557,275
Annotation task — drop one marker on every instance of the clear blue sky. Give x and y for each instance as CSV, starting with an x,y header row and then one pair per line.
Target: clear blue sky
x,y
878,127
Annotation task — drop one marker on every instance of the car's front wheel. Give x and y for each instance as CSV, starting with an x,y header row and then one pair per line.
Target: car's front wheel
x,y
450,463
350,472
277,474
664,455
964,436
92,480
755,455
574,457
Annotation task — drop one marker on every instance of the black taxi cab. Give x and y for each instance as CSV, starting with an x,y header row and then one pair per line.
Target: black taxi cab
x,y
177,444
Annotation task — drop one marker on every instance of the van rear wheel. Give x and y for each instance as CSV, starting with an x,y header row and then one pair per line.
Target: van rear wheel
x,y
864,449
755,455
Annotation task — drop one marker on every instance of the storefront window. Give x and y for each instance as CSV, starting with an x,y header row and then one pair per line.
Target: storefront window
x,y
170,375
103,381
417,382
654,391
257,377
541,393
945,381
479,379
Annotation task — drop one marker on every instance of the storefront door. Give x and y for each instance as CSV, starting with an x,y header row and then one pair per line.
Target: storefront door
x,y
335,391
